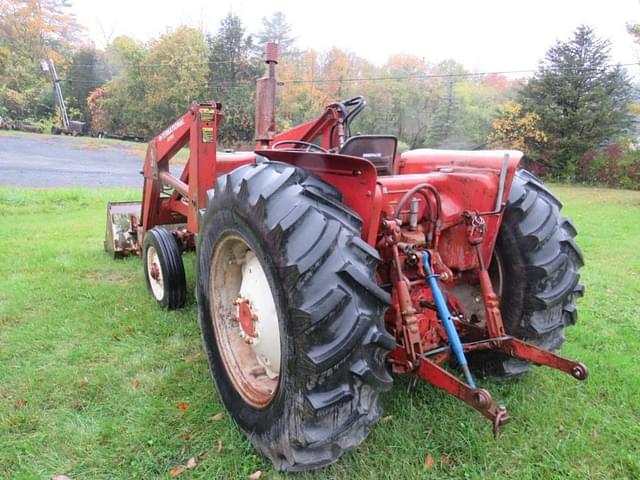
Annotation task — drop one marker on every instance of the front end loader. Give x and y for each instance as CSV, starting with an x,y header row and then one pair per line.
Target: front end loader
x,y
326,262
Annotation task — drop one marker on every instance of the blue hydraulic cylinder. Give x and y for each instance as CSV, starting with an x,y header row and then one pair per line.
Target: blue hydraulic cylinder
x,y
447,321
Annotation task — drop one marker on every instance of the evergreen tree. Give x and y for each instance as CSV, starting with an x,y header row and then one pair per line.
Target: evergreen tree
x,y
234,67
276,29
580,98
86,72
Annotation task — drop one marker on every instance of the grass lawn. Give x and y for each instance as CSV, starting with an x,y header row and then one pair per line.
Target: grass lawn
x,y
96,382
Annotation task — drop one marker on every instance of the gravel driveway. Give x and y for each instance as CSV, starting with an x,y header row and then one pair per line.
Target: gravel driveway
x,y
32,160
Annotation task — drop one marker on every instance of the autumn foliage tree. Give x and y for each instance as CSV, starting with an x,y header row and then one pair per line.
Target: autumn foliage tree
x,y
516,129
175,74
117,107
31,31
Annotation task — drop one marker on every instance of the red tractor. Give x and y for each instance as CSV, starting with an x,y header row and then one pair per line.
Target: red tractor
x,y
326,261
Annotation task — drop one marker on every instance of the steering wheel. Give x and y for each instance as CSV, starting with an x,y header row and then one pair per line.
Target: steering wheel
x,y
299,145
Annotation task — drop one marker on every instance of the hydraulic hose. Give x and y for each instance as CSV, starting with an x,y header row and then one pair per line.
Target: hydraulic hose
x,y
447,321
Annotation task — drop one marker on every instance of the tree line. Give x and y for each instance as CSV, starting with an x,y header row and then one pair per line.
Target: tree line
x,y
574,117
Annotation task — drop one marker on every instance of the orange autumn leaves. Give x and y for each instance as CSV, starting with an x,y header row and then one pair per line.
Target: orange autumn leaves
x,y
193,461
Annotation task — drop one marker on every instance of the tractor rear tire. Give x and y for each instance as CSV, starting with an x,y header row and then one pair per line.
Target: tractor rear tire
x,y
320,275
164,269
539,262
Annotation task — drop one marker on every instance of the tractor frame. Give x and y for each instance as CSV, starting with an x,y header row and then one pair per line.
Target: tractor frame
x,y
462,194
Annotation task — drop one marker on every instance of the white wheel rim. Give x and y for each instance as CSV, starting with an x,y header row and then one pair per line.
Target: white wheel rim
x,y
256,290
252,359
153,265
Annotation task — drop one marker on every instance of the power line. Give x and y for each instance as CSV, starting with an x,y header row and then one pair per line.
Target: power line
x,y
457,75
154,65
238,84
417,76
410,76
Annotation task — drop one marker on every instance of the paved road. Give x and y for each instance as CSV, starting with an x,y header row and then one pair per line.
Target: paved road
x,y
48,161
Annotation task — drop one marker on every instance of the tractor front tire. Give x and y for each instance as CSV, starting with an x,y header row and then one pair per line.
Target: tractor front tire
x,y
164,269
537,262
301,375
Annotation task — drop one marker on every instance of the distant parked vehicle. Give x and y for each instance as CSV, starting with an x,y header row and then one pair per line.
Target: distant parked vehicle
x,y
73,128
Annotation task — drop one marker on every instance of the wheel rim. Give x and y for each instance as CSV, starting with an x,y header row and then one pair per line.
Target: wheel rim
x,y
154,273
245,321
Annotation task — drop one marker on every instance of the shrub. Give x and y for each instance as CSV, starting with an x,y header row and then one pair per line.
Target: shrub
x,y
615,165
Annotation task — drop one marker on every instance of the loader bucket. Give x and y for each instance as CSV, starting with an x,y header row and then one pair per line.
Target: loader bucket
x,y
121,236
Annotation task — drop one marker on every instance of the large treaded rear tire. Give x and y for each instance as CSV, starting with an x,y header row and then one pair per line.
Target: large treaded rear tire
x,y
333,340
540,262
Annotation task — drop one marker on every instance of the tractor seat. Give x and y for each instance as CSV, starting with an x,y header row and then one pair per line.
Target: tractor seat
x,y
378,149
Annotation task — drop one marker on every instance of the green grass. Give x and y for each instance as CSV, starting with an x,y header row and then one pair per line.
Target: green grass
x,y
79,333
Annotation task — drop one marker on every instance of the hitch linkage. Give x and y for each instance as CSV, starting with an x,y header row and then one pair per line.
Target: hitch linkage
x,y
479,398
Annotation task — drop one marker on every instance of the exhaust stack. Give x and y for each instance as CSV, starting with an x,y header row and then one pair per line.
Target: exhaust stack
x,y
266,99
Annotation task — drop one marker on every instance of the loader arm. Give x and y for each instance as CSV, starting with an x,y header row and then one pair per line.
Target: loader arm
x,y
168,199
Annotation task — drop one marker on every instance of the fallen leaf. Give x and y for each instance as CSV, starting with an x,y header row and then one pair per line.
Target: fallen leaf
x,y
21,403
428,462
175,471
60,477
183,450
116,337
182,406
193,356
217,416
594,434
135,383
444,459
191,463
255,475
130,330
84,382
218,445
388,418
185,436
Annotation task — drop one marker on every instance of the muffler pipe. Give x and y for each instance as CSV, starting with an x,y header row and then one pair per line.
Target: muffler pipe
x,y
503,177
266,100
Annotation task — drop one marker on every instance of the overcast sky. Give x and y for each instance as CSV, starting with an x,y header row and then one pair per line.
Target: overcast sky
x,y
484,35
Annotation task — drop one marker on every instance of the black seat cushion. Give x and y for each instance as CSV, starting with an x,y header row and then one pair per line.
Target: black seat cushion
x,y
378,149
